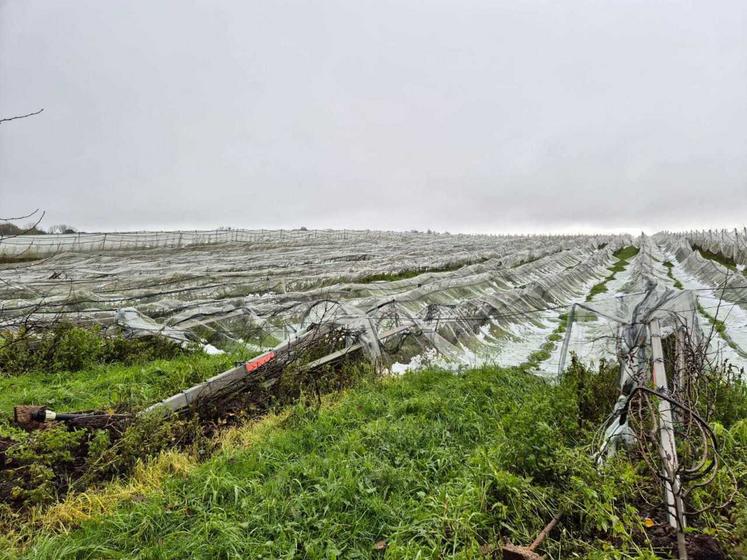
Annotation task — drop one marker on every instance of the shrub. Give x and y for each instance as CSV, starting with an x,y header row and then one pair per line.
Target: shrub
x,y
593,393
35,465
67,347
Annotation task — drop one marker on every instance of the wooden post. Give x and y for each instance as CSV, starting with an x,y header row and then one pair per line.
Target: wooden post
x,y
667,447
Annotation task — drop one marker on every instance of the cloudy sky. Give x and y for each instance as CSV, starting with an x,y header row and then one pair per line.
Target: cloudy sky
x,y
462,116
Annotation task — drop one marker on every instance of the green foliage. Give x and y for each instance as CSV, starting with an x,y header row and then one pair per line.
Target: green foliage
x,y
308,386
142,440
48,463
728,520
98,445
728,392
66,347
35,463
592,393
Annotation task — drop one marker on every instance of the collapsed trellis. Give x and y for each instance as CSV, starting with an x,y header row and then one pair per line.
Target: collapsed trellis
x,y
232,293
328,335
656,413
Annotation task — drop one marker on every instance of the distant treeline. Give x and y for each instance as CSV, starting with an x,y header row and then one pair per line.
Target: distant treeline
x,y
31,229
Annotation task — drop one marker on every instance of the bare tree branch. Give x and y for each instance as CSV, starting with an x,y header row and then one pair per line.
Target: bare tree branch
x,y
28,229
22,116
19,217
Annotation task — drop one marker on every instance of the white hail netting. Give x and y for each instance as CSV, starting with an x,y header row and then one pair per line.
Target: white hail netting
x,y
496,300
46,245
721,292
138,325
730,243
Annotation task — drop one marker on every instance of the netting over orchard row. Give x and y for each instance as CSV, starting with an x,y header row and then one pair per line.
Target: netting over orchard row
x,y
732,243
47,245
470,299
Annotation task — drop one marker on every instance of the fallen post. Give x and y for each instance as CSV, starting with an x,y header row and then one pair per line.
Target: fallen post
x,y
265,368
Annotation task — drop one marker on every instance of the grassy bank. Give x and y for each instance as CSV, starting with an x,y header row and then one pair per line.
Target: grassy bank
x,y
41,467
72,368
430,465
110,386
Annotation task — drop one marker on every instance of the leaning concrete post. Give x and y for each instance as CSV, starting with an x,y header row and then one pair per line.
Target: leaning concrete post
x,y
667,447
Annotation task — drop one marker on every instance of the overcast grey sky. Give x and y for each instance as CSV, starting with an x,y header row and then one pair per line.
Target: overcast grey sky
x,y
452,115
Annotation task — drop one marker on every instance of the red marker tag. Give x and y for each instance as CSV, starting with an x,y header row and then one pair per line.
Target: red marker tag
x,y
259,361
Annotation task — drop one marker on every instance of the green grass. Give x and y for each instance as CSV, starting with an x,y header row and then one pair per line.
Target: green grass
x,y
677,284
545,351
429,465
597,289
47,464
622,255
539,356
67,347
103,386
626,253
432,464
